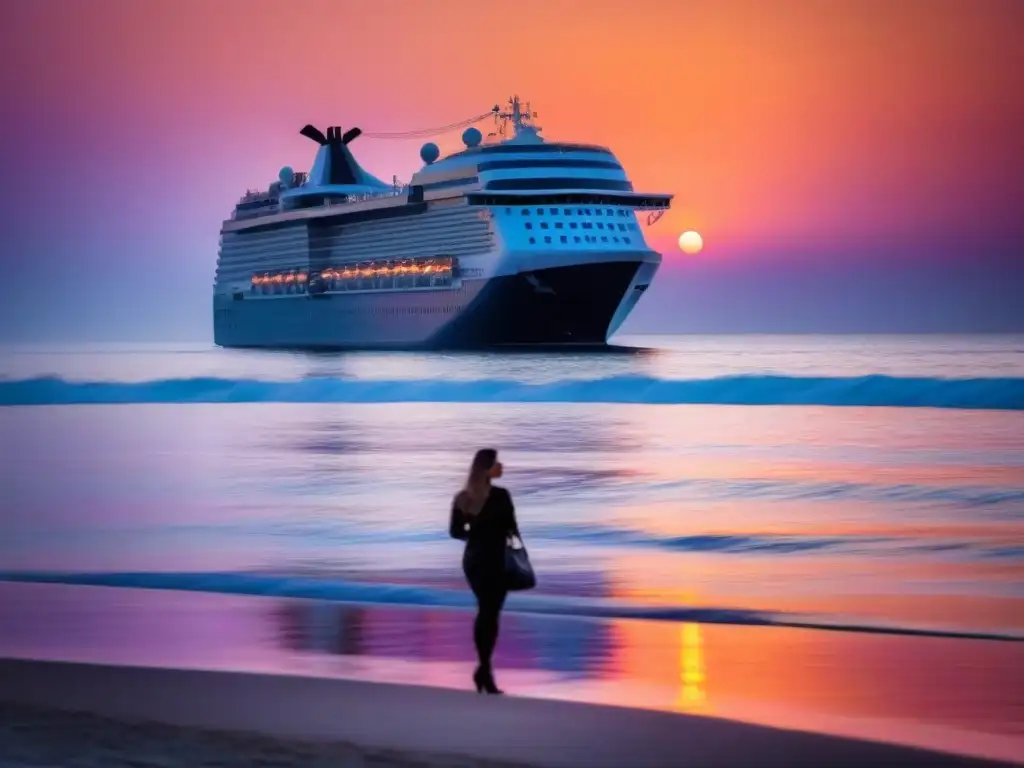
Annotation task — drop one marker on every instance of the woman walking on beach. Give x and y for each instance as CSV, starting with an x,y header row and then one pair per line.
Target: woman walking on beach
x,y
483,517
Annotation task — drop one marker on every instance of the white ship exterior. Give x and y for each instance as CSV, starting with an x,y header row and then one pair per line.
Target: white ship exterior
x,y
518,241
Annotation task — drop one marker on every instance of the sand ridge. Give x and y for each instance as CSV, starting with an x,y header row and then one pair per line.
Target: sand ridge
x,y
37,737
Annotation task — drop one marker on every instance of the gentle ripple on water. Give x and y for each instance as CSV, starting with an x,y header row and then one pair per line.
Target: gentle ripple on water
x,y
871,515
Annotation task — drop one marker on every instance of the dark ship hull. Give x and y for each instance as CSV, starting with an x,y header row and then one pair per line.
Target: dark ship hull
x,y
578,305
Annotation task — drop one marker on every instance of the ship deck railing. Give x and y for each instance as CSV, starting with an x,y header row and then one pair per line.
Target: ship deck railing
x,y
326,202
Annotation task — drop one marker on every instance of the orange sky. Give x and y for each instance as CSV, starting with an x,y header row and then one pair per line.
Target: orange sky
x,y
776,124
763,117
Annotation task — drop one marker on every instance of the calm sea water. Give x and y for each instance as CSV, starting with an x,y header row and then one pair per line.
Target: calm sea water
x,y
869,482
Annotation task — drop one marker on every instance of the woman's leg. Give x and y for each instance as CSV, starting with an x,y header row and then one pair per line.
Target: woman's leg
x,y
485,629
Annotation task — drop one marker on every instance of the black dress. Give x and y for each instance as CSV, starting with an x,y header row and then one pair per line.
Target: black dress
x,y
485,535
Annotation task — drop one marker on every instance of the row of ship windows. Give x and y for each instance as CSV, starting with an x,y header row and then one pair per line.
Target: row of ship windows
x,y
394,311
585,239
386,273
353,283
584,225
621,212
408,310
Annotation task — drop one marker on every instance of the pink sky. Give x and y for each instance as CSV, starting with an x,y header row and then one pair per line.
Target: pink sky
x,y
854,135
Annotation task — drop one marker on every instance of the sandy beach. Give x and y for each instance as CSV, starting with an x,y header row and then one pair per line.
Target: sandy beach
x,y
32,736
165,717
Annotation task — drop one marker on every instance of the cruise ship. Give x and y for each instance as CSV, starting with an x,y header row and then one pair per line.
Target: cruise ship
x,y
512,240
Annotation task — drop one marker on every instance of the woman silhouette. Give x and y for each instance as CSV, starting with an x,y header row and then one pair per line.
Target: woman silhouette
x,y
483,517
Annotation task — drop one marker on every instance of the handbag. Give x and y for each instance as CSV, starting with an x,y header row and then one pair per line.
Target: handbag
x,y
519,573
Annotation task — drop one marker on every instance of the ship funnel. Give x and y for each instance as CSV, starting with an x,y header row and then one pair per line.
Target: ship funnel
x,y
315,134
334,164
333,136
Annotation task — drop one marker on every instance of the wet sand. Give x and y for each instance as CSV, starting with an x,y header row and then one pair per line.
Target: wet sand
x,y
395,680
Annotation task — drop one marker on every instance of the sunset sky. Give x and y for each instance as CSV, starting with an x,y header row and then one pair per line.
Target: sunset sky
x,y
852,165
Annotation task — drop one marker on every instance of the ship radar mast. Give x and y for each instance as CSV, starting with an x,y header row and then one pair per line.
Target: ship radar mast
x,y
519,116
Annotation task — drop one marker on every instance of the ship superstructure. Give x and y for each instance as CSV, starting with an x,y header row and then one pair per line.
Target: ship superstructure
x,y
511,241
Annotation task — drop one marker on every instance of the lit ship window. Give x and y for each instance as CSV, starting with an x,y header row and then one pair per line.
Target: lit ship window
x,y
367,275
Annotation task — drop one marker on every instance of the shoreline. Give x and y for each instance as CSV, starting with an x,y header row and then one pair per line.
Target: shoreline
x,y
372,594
414,723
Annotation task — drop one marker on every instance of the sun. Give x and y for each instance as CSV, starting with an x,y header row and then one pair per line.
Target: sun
x,y
690,242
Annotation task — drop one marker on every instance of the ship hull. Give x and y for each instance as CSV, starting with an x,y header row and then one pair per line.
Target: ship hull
x,y
577,305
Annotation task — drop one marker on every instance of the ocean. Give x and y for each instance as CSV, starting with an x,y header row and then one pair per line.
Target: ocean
x,y
860,483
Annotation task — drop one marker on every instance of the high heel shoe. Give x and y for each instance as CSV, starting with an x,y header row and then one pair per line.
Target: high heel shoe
x,y
484,681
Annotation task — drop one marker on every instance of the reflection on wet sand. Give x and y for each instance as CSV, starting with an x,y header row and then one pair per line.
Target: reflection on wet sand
x,y
706,669
961,695
691,668
567,647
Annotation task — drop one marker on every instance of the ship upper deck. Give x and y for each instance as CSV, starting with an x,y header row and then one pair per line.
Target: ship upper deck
x,y
506,171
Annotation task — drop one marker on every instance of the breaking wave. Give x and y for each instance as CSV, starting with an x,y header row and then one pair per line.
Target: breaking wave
x,y
860,391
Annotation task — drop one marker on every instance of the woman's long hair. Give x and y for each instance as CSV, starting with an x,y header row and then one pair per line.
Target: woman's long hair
x,y
474,493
